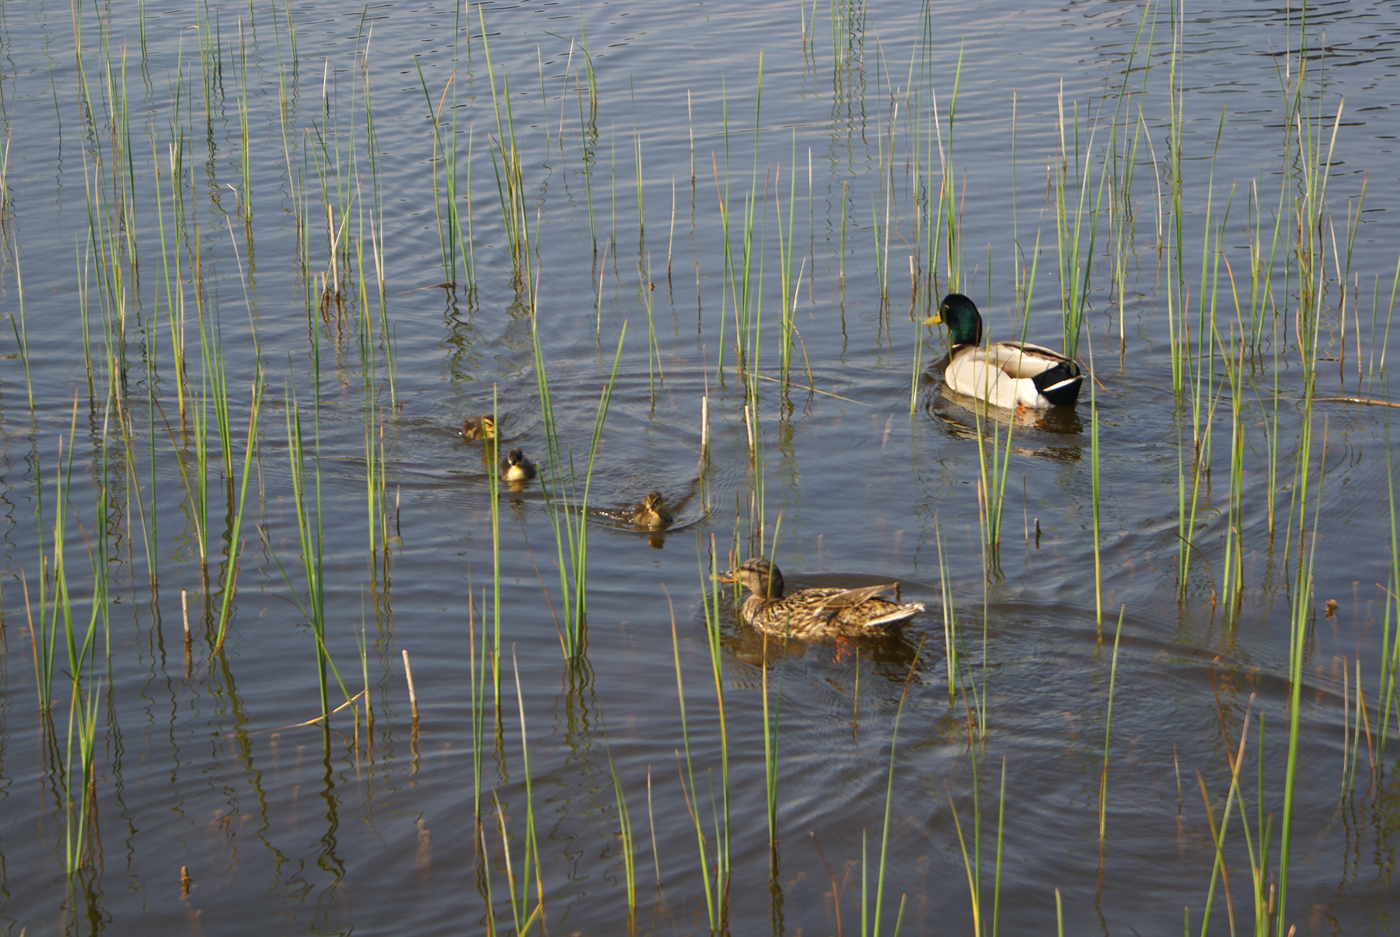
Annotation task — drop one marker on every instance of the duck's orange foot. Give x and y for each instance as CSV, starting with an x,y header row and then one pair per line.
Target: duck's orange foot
x,y
844,649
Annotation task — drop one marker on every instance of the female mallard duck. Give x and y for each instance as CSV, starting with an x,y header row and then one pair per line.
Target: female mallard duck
x,y
479,427
515,467
652,512
814,613
1007,374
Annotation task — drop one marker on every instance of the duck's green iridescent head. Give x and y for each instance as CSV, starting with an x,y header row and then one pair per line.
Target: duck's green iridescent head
x,y
961,317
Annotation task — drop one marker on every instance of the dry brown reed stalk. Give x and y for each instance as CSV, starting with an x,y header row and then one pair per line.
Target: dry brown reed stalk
x,y
408,676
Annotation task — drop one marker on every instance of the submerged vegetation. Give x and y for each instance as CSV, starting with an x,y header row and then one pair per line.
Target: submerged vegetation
x,y
215,442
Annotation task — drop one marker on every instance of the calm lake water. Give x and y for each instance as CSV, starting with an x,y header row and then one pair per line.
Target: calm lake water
x,y
139,226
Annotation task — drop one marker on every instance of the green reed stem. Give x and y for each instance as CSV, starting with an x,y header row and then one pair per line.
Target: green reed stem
x,y
568,507
714,894
889,804
235,547
494,485
950,623
629,852
79,811
770,754
1095,464
1107,729
531,841
1219,868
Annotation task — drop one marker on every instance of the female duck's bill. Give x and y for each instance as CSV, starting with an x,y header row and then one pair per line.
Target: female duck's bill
x,y
515,467
1005,374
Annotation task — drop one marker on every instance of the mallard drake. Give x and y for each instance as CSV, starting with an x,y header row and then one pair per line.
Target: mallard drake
x,y
651,512
1007,374
814,613
515,467
479,427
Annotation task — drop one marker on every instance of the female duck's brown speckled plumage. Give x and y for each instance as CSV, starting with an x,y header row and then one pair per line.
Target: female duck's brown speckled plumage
x,y
652,512
814,613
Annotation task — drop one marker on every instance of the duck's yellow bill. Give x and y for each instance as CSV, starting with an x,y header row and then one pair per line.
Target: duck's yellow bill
x,y
730,576
934,319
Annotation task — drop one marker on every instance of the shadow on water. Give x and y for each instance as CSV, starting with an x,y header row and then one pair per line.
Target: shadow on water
x,y
1054,433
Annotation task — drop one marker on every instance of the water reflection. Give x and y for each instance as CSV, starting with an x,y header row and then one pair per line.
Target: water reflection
x,y
1052,433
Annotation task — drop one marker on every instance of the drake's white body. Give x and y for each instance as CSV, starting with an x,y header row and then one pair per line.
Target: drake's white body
x,y
1003,374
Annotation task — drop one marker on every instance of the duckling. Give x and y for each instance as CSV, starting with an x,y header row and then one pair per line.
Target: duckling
x,y
652,512
1006,374
814,613
479,427
515,467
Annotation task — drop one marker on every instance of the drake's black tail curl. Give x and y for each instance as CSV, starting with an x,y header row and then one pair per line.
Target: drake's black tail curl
x,y
1060,384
